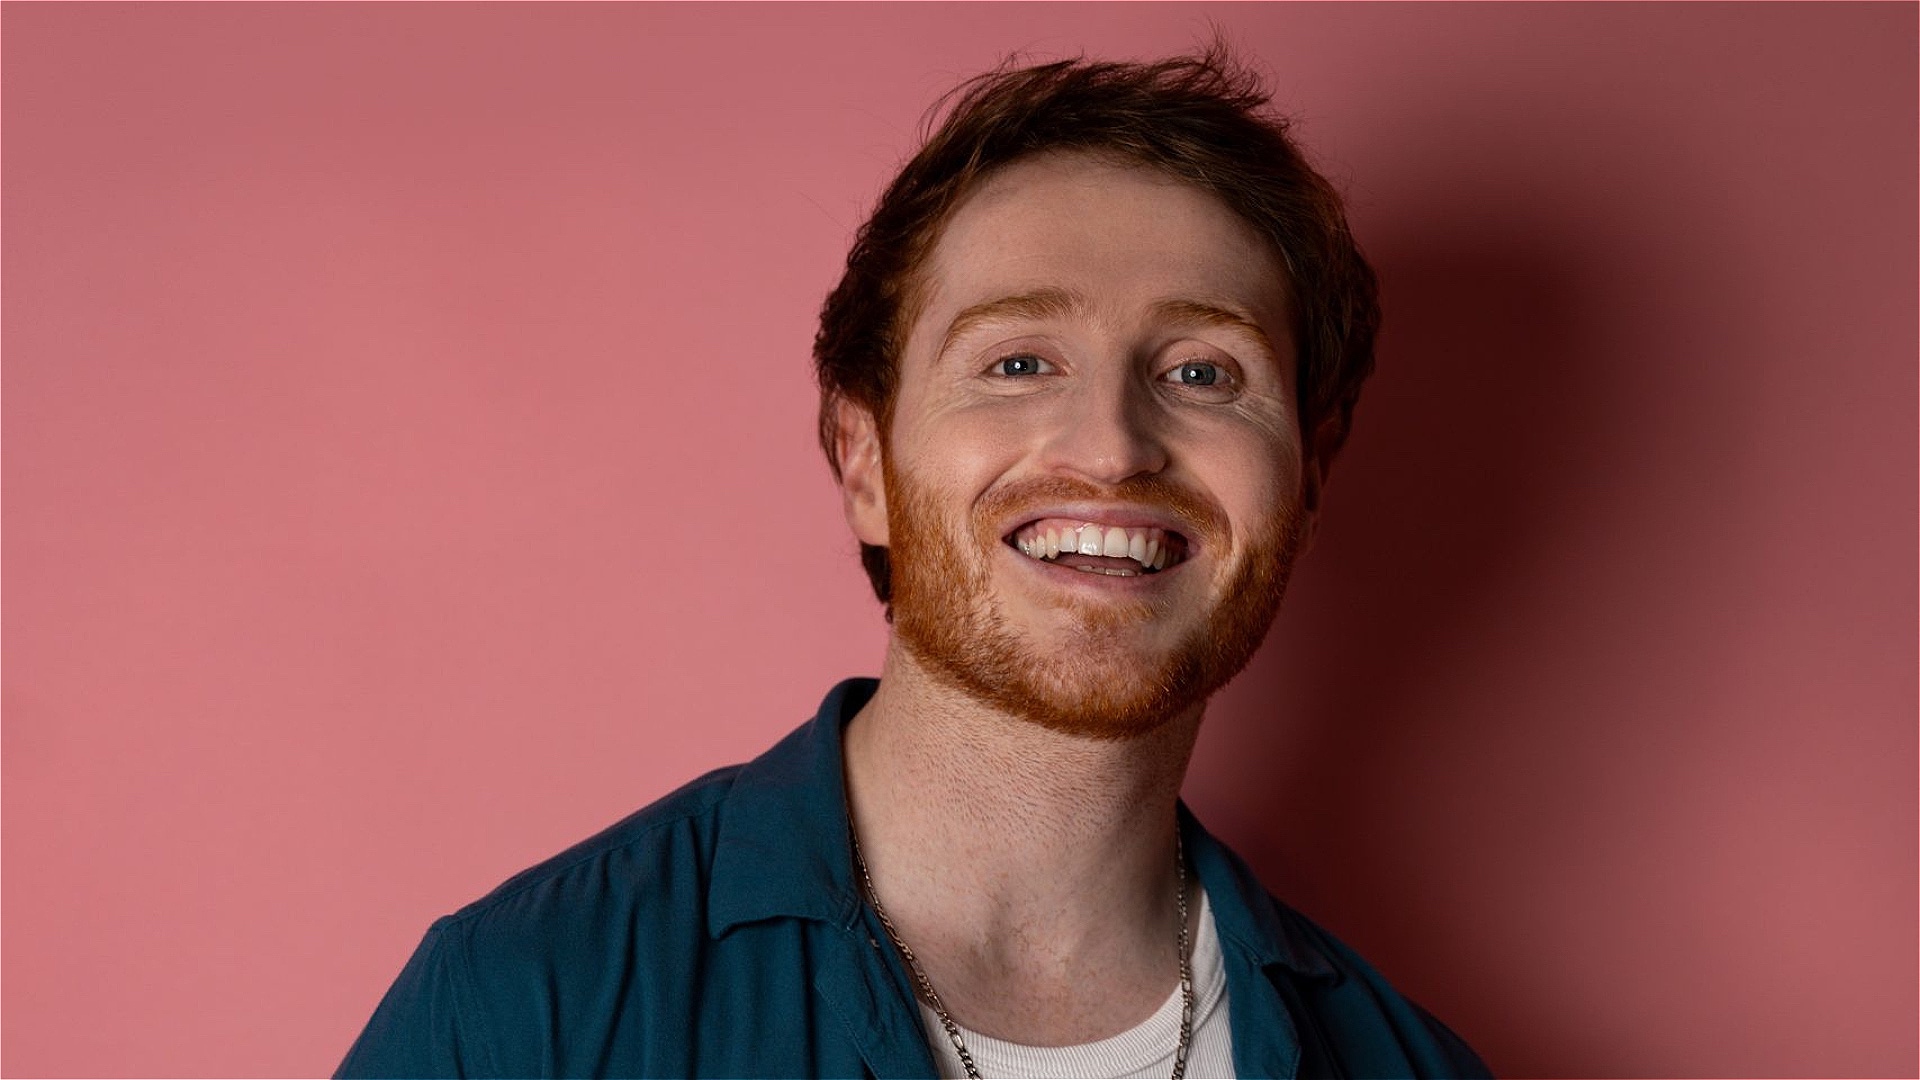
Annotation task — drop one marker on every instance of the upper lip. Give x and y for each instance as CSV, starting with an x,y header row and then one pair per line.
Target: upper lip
x,y
1109,514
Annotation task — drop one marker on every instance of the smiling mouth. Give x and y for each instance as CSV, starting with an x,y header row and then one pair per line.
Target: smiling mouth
x,y
1100,549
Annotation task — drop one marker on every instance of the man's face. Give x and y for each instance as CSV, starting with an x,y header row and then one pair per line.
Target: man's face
x,y
1093,477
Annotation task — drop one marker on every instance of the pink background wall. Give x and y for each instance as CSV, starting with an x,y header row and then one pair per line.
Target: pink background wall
x,y
409,470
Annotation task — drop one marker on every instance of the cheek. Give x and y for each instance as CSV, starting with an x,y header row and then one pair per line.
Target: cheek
x,y
933,484
965,448
1259,483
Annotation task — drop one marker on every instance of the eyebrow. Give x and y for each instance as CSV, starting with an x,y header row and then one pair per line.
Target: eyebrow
x,y
1053,303
1036,305
1201,313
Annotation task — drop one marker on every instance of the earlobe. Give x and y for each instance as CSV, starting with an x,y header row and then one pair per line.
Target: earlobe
x,y
863,486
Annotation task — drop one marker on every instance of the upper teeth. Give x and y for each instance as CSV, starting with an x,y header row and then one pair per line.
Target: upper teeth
x,y
1047,539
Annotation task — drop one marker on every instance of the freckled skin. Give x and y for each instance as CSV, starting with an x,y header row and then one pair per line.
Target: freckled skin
x,y
1121,398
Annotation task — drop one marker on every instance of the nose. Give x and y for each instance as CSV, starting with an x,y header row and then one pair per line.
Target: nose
x,y
1107,430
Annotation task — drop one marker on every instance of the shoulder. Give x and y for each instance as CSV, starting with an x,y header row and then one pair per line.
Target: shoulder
x,y
669,840
1350,1019
613,946
1366,1018
504,985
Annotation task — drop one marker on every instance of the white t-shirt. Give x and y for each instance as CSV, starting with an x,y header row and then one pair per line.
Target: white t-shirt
x,y
1143,1051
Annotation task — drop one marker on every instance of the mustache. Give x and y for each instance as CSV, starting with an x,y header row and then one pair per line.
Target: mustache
x,y
1200,517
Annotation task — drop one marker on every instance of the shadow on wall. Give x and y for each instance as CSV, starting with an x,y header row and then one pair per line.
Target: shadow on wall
x,y
1477,432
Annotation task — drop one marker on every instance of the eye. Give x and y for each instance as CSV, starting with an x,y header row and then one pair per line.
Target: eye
x,y
1197,373
1020,364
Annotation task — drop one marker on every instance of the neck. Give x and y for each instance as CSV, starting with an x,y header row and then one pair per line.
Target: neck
x,y
1012,855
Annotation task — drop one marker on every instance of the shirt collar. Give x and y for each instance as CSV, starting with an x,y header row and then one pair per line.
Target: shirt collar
x,y
783,849
1245,914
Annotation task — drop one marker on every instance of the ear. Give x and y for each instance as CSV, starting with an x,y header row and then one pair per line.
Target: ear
x,y
863,484
1318,461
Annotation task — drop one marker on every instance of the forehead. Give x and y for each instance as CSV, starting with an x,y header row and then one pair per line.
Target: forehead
x,y
1129,237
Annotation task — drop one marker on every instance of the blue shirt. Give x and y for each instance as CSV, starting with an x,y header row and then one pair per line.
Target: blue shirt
x,y
719,932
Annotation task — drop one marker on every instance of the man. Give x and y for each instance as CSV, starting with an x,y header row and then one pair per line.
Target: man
x,y
1081,385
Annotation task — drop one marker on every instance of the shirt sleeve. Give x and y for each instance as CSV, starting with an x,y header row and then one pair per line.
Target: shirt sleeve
x,y
420,1028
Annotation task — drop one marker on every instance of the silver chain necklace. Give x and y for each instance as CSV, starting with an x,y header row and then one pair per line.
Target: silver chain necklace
x,y
953,1029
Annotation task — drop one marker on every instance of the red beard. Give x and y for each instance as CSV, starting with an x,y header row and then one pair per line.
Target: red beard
x,y
1099,685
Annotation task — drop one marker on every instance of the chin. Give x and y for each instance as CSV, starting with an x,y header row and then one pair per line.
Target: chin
x,y
1097,679
1093,694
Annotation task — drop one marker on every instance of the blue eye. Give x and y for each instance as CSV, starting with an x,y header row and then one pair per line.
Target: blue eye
x,y
1020,365
1197,373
